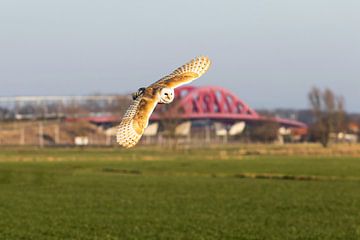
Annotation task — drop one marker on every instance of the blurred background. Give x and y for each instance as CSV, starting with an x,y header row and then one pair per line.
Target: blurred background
x,y
265,145
282,71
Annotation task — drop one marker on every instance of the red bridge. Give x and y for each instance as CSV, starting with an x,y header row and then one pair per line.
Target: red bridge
x,y
213,103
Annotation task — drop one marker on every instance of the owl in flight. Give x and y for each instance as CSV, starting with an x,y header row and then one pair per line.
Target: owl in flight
x,y
137,116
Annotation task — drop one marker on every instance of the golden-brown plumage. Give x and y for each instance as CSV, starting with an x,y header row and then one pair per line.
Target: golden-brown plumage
x,y
136,118
186,73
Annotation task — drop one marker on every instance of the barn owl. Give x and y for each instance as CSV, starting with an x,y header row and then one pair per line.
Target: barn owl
x,y
137,116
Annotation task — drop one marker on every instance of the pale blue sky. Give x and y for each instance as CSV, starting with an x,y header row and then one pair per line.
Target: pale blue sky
x,y
269,53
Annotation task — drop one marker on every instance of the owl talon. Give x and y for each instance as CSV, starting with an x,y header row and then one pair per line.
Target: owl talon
x,y
139,92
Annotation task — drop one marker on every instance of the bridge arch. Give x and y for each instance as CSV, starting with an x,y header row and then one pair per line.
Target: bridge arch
x,y
214,103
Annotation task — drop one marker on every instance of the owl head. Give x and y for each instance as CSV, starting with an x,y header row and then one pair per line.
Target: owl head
x,y
166,95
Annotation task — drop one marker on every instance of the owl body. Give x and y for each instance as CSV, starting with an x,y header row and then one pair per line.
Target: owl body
x,y
137,116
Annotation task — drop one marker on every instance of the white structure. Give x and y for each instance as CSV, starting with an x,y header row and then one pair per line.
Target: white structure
x,y
151,130
183,129
237,128
81,141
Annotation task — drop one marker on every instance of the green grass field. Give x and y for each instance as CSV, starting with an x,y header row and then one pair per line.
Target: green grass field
x,y
196,194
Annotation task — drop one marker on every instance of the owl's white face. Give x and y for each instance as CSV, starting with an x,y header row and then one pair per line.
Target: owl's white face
x,y
166,95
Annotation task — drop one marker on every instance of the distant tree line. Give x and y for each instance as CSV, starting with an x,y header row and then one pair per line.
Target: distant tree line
x,y
328,113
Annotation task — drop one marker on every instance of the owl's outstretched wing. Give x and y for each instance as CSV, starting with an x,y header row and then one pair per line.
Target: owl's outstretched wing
x,y
186,73
135,121
137,116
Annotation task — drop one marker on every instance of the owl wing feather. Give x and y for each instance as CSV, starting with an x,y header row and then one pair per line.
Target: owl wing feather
x,y
135,121
137,116
186,73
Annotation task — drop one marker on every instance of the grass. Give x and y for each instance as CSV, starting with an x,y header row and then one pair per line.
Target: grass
x,y
196,194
